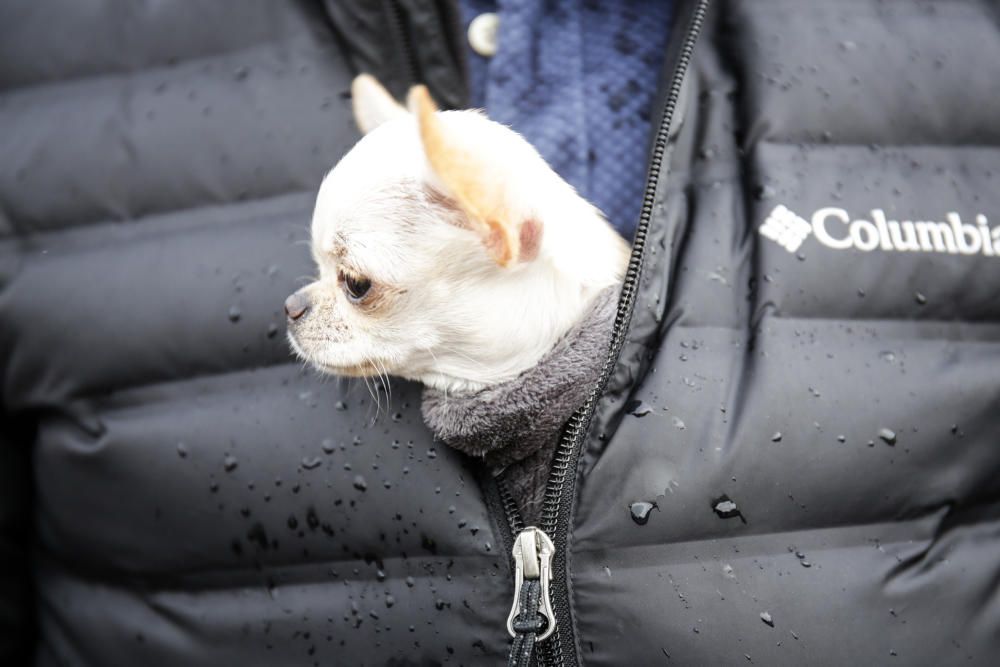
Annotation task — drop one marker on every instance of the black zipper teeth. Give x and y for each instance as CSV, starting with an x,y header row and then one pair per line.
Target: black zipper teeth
x,y
510,508
404,40
567,453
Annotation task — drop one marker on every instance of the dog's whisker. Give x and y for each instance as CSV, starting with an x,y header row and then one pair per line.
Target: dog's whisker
x,y
384,376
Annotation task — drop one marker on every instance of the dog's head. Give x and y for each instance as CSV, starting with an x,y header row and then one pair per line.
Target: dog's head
x,y
448,251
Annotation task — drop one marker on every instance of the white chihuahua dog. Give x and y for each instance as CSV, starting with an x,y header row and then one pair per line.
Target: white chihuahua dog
x,y
449,252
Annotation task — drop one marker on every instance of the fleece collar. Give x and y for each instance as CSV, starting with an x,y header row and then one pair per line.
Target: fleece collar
x,y
509,422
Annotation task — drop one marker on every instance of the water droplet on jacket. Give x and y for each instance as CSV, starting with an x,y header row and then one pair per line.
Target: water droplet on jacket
x,y
309,463
229,462
640,511
440,604
340,406
397,417
359,483
182,450
272,330
328,446
679,423
919,298
389,600
841,438
766,617
762,192
637,408
235,314
888,436
726,508
776,437
410,582
257,535
887,356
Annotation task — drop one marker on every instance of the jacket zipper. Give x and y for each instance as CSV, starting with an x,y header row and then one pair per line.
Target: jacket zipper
x,y
397,21
561,485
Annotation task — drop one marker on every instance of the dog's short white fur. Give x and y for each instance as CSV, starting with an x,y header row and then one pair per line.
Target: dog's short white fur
x,y
471,255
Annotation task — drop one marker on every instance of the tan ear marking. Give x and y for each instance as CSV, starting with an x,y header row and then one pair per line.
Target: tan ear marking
x,y
468,179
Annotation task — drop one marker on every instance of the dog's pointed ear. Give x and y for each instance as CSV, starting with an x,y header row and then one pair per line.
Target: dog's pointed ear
x,y
476,184
372,103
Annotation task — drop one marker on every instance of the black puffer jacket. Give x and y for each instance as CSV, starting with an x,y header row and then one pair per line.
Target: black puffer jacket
x,y
794,460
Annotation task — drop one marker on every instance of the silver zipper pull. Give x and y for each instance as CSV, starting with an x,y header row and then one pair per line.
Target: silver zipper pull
x,y
533,552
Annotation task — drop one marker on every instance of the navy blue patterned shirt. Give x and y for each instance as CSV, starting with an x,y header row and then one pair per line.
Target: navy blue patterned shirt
x,y
577,79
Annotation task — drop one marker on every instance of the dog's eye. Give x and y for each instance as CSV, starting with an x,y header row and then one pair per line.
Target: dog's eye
x,y
356,288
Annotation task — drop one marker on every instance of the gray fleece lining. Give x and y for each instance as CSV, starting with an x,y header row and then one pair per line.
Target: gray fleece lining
x,y
516,425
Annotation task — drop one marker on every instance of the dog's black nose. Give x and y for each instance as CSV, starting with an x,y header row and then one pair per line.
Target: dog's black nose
x,y
296,305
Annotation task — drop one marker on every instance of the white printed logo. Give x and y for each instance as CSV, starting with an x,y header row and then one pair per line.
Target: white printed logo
x,y
785,228
834,229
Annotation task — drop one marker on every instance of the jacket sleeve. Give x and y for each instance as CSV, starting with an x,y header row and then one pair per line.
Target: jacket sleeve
x,y
16,612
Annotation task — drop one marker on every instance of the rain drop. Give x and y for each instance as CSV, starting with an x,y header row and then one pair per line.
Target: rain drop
x,y
726,508
641,510
359,483
888,436
235,314
766,617
762,192
637,408
229,462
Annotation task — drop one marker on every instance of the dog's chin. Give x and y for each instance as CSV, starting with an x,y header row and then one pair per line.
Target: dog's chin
x,y
363,368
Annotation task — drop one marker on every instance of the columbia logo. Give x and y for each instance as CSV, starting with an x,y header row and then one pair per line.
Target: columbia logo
x,y
785,228
834,228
